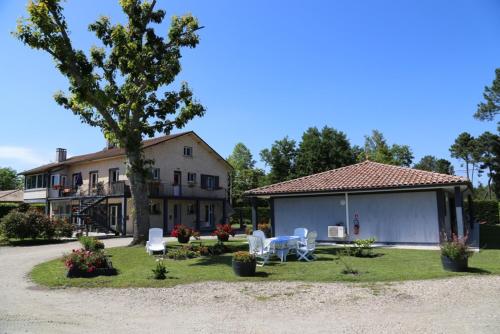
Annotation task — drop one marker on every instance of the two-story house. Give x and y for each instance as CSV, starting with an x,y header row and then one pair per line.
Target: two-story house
x,y
189,185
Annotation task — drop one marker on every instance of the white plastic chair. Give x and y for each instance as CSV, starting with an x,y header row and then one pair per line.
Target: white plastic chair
x,y
300,232
306,249
262,235
155,242
257,248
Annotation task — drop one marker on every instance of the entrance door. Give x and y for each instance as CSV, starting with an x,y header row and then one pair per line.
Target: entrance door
x,y
177,183
209,218
177,214
115,211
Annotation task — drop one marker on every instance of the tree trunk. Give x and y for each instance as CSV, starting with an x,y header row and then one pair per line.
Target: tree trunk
x,y
140,199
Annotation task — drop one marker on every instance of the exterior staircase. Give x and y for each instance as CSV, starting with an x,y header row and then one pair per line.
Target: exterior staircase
x,y
91,207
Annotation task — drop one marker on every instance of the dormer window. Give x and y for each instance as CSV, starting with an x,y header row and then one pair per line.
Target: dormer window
x,y
188,151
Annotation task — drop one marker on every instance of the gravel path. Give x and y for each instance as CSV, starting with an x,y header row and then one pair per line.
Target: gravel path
x,y
460,305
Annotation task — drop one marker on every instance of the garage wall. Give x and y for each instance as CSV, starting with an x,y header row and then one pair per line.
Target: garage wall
x,y
410,217
314,213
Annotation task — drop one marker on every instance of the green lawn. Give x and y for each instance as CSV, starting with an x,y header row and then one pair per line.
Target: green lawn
x,y
135,265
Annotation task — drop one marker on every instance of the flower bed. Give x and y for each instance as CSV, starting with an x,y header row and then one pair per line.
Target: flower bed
x,y
84,263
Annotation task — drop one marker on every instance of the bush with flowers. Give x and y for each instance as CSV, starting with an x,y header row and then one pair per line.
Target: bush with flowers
x,y
183,233
84,263
223,231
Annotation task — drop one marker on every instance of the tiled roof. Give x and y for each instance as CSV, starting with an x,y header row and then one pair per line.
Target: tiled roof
x,y
14,195
366,175
106,153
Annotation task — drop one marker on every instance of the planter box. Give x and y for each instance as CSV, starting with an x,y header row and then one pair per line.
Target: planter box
x,y
223,238
183,240
454,265
244,269
97,272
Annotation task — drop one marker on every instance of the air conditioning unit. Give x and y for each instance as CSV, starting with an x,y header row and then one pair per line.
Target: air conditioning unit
x,y
336,232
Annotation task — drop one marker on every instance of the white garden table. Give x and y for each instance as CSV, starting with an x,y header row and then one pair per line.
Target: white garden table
x,y
282,245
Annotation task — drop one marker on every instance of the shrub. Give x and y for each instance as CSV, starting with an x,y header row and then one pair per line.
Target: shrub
x,y
63,228
182,253
160,272
266,228
486,211
243,256
363,247
42,226
223,231
85,261
91,243
456,249
14,225
5,208
342,255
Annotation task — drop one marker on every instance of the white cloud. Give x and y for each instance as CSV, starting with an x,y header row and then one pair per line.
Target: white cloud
x,y
21,157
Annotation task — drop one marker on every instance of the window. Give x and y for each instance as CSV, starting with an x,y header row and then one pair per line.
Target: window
x,y
77,180
63,180
190,209
36,181
93,180
188,151
155,173
191,177
54,180
154,209
114,175
209,182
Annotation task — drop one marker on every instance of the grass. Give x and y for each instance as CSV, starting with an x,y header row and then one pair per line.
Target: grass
x,y
135,267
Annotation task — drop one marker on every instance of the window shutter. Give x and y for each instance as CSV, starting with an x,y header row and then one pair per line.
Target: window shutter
x,y
203,181
216,186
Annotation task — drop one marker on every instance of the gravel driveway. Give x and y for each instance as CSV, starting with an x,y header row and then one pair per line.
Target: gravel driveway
x,y
460,305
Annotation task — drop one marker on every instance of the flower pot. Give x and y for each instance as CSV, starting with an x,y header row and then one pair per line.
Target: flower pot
x,y
183,239
244,268
454,265
223,237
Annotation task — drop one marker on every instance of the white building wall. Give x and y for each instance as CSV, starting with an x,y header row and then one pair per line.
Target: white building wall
x,y
409,217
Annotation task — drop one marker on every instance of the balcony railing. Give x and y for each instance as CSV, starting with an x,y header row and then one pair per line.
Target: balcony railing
x,y
101,189
158,189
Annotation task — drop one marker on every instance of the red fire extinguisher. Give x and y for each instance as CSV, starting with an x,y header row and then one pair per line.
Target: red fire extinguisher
x,y
356,224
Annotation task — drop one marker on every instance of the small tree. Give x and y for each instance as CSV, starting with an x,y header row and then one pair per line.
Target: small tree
x,y
464,148
9,179
120,86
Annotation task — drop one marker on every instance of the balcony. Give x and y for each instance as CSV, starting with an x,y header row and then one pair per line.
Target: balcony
x,y
158,189
119,188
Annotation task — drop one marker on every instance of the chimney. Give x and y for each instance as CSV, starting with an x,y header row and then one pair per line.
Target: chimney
x,y
60,154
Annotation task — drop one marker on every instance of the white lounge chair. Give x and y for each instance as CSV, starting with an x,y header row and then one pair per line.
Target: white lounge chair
x,y
306,249
258,249
155,242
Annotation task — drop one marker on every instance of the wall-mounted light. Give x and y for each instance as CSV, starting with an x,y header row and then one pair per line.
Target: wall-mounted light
x,y
342,202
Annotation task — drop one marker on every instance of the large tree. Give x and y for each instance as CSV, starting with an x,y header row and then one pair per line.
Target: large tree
x,y
377,149
121,86
281,158
9,179
432,164
244,176
488,109
488,149
464,148
323,150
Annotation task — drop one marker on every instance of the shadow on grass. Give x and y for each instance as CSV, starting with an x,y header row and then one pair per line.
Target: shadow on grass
x,y
36,242
478,271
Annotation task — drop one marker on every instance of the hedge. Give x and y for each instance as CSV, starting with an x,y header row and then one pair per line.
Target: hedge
x,y
487,211
5,208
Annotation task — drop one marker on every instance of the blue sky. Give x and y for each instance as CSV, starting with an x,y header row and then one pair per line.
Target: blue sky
x,y
414,70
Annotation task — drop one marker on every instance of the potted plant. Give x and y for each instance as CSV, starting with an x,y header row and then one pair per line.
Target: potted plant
x,y
244,264
223,231
184,233
455,254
